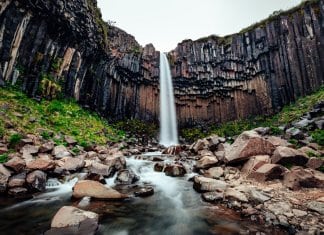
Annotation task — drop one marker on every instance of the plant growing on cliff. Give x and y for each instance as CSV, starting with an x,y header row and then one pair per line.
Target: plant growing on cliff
x,y
49,88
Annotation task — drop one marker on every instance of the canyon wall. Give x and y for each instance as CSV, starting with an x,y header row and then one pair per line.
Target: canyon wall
x,y
215,79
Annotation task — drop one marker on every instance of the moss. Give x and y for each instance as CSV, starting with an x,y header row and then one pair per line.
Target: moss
x,y
14,139
3,158
318,137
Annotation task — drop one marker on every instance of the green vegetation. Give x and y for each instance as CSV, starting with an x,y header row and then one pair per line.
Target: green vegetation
x,y
3,158
49,88
14,139
288,114
53,118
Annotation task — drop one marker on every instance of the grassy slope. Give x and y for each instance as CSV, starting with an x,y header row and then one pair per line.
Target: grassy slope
x,y
288,114
59,116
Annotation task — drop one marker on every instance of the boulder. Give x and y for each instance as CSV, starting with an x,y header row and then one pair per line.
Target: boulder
x,y
17,191
254,163
277,141
214,172
4,177
213,196
70,140
258,196
286,155
37,180
303,178
268,172
295,133
174,170
126,177
100,169
94,189
60,152
159,166
144,192
41,164
233,194
315,163
203,184
316,206
29,149
17,180
248,144
71,163
117,162
172,150
46,147
73,221
199,145
206,162
16,163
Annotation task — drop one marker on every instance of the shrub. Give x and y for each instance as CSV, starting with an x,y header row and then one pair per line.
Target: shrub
x,y
55,106
14,139
49,88
318,137
3,158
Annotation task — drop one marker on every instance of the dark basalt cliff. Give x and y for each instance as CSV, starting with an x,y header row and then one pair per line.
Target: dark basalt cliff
x,y
215,79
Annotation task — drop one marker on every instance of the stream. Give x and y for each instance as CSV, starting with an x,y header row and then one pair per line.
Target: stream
x,y
175,208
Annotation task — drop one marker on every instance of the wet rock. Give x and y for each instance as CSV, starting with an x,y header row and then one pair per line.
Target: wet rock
x,y
232,194
73,221
37,180
254,163
70,140
159,166
248,144
316,206
214,172
17,180
285,155
213,196
144,192
206,162
16,163
116,162
203,184
94,189
60,152
71,163
41,164
17,191
172,150
307,178
126,177
4,177
315,163
100,169
268,172
174,170
46,147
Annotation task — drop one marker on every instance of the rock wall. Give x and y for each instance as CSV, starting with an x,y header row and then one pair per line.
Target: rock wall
x,y
252,72
215,79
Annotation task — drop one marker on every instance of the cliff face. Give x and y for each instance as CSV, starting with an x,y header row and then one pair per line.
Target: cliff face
x,y
68,42
104,68
253,72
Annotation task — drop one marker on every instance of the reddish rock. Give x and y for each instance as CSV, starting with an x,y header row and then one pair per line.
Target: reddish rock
x,y
315,163
46,147
268,172
248,144
277,141
203,184
100,169
16,163
4,177
199,145
175,170
41,164
29,149
159,166
94,189
17,180
206,162
37,180
214,172
126,177
285,155
172,150
71,163
61,152
70,140
303,178
254,163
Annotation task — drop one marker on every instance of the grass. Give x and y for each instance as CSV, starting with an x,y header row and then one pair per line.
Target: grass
x,y
3,158
56,117
287,115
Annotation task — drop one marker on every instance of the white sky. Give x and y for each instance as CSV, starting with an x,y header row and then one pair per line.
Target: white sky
x,y
165,23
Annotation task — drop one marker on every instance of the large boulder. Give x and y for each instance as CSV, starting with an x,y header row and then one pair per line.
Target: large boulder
x,y
73,221
174,170
199,145
41,164
203,184
4,177
316,206
117,162
285,155
100,169
94,189
214,172
213,196
30,149
16,163
248,144
71,163
17,180
206,162
303,178
315,163
268,172
254,163
37,180
233,194
60,152
46,147
126,177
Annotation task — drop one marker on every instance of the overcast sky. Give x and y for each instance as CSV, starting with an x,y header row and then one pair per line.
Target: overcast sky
x,y
165,23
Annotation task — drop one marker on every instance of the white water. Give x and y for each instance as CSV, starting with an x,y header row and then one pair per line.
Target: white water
x,y
168,120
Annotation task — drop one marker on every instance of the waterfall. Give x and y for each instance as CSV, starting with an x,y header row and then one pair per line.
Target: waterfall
x,y
168,120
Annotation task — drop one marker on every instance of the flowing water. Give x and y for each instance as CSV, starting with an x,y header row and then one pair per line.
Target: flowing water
x,y
175,208
168,120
